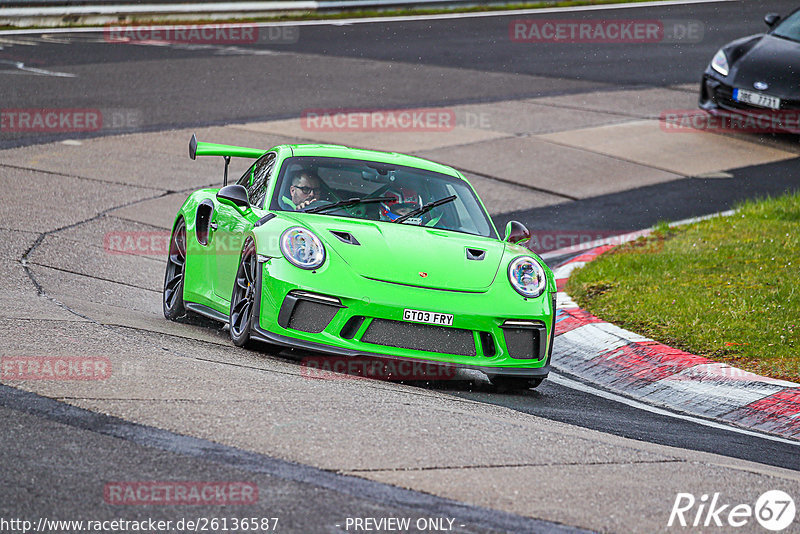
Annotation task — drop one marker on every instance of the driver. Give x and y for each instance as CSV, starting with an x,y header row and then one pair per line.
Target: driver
x,y
306,188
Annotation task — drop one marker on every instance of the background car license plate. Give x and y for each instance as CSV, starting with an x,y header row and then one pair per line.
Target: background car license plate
x,y
416,316
756,99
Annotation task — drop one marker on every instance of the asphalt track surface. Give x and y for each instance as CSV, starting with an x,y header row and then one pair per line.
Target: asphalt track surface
x,y
474,61
52,470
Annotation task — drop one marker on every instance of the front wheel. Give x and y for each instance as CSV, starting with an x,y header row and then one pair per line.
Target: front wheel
x,y
243,299
172,301
505,384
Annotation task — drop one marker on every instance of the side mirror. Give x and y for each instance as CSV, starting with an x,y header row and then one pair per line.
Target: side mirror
x,y
771,19
516,232
193,147
234,195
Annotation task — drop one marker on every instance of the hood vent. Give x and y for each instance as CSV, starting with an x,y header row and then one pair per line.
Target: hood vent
x,y
345,237
475,254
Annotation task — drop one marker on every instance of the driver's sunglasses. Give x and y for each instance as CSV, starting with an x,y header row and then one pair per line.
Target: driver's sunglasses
x,y
307,190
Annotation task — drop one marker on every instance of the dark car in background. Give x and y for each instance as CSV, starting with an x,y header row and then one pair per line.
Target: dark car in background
x,y
758,75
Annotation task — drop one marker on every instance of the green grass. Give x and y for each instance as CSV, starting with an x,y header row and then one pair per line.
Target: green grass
x,y
345,14
727,288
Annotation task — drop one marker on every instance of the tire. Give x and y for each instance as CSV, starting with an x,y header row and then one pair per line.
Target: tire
x,y
506,384
172,296
243,298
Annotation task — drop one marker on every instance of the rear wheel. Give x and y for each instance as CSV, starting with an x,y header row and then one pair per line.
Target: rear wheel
x,y
243,299
506,384
172,300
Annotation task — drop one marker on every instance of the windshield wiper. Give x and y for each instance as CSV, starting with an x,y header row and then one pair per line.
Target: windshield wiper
x,y
349,202
426,208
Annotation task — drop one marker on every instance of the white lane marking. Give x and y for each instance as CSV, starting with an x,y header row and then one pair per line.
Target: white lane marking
x,y
23,42
564,302
565,271
32,70
710,398
723,371
407,18
219,49
588,342
579,386
615,330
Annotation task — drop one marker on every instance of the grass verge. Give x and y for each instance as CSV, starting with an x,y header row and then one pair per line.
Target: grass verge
x,y
727,288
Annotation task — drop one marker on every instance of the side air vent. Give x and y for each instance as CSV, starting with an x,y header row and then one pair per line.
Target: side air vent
x,y
476,254
345,237
203,221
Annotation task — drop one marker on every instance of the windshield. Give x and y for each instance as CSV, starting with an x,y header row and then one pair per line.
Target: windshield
x,y
379,192
789,28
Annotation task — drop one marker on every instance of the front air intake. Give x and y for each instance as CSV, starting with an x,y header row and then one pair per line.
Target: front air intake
x,y
307,312
525,340
417,336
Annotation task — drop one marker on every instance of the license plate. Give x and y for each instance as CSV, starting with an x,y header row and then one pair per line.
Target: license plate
x,y
416,316
756,99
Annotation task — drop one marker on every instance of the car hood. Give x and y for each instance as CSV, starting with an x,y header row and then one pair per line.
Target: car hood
x,y
771,60
408,254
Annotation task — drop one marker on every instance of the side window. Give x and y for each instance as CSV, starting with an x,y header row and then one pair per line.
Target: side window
x,y
247,177
261,173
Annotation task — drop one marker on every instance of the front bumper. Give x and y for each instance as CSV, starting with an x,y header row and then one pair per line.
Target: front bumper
x,y
338,313
716,97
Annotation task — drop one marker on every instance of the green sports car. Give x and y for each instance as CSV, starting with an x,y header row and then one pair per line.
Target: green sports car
x,y
351,253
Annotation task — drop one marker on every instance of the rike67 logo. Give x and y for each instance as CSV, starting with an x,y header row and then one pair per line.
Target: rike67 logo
x,y
774,510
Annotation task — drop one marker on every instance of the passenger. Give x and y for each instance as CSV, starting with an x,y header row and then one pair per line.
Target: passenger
x,y
407,201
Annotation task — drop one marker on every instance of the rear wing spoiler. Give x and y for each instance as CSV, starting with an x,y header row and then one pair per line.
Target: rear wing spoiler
x,y
198,148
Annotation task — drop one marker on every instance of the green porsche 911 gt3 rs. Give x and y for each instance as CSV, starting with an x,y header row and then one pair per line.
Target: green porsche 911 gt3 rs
x,y
356,253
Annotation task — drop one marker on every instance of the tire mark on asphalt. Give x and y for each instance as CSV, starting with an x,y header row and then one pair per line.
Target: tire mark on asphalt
x,y
100,278
77,177
41,236
502,466
24,260
350,485
148,257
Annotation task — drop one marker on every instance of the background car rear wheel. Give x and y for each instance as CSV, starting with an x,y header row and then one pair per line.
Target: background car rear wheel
x,y
505,384
172,300
243,298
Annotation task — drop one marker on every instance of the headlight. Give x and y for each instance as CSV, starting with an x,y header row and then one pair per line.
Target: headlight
x,y
720,63
302,248
527,276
